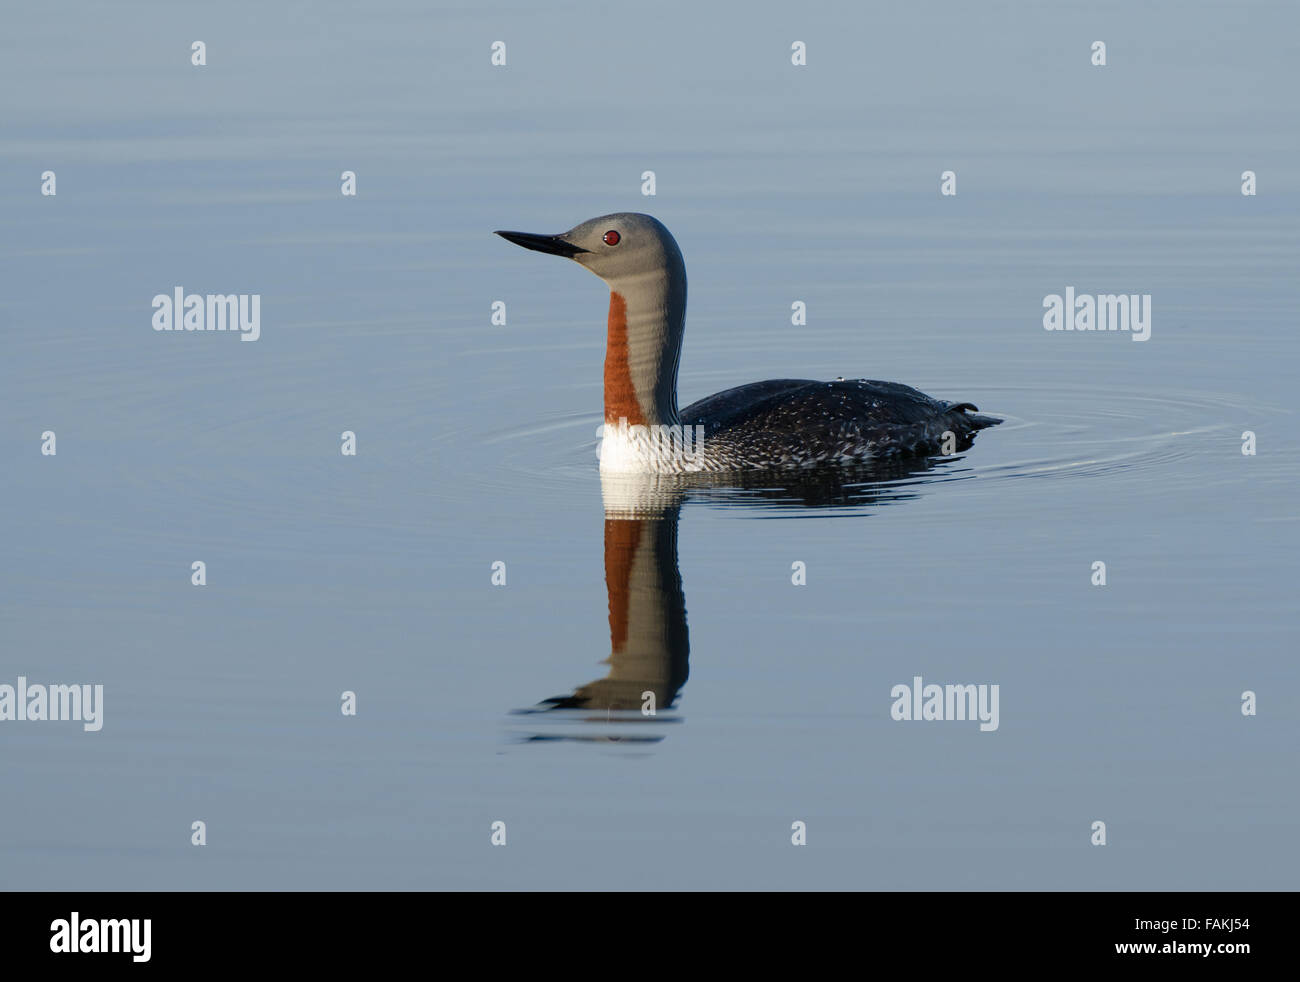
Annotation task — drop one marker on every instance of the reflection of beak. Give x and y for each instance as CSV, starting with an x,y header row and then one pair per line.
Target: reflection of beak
x,y
552,244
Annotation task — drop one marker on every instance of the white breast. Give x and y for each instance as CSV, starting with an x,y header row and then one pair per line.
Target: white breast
x,y
630,449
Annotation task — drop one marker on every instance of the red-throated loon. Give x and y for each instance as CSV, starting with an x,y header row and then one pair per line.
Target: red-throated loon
x,y
766,425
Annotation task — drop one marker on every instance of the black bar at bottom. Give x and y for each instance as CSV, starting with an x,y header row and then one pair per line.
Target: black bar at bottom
x,y
582,931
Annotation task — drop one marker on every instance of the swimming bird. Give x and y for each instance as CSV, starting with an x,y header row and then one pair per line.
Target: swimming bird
x,y
777,424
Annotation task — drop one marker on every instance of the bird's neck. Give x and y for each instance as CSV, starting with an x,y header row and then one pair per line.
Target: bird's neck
x,y
647,315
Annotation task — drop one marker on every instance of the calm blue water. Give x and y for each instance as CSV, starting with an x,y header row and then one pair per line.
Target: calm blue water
x,y
372,573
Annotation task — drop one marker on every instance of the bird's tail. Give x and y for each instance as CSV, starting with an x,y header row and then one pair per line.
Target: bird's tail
x,y
973,416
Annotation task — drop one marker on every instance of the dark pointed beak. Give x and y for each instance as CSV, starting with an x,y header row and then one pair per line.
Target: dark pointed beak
x,y
552,244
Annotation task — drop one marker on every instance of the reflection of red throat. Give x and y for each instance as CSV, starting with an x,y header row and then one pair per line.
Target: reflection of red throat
x,y
620,393
621,539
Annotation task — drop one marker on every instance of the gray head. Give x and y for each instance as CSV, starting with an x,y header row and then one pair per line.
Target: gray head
x,y
619,248
640,261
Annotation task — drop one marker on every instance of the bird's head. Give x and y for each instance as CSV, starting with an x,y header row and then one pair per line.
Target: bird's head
x,y
618,248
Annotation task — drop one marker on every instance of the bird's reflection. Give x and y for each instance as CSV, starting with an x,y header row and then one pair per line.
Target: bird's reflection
x,y
649,645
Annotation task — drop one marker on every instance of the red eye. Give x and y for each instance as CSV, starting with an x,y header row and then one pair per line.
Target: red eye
x,y
611,237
